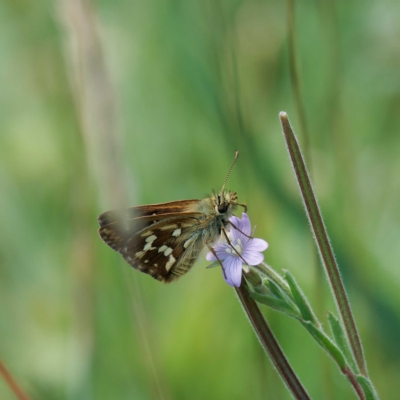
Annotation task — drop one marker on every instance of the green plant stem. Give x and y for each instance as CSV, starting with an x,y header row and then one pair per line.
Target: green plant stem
x,y
12,383
323,244
269,343
353,380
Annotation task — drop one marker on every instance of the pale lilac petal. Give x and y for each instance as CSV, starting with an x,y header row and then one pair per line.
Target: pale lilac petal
x,y
242,225
256,245
210,257
223,252
251,250
245,225
234,232
233,271
253,257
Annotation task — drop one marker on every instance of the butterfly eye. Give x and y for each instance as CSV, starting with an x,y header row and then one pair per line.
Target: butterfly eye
x,y
222,208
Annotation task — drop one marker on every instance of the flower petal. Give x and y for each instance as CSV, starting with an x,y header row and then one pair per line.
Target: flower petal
x,y
246,225
233,271
223,250
210,256
242,225
256,245
233,233
253,257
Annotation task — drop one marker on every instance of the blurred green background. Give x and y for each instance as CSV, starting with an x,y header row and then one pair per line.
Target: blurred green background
x,y
105,104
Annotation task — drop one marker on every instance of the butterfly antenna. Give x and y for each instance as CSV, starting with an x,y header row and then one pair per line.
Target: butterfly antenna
x,y
229,172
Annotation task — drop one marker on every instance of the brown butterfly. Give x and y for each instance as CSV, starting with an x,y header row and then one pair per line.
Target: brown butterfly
x,y
164,240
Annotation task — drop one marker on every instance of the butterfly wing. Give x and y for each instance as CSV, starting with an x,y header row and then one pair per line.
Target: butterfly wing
x,y
167,249
172,207
164,246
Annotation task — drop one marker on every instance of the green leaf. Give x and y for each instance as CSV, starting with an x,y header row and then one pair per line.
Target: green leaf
x,y
326,343
254,278
276,304
341,340
214,264
278,291
300,299
368,388
266,271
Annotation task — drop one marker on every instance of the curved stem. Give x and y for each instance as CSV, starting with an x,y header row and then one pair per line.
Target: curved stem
x,y
270,344
353,380
12,383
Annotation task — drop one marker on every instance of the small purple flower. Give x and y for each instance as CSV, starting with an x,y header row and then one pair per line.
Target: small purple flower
x,y
249,250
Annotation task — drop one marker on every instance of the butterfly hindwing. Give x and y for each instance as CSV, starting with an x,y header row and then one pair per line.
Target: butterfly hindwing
x,y
164,248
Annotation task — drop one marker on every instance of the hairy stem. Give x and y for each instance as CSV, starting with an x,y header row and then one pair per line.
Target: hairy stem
x,y
269,343
323,243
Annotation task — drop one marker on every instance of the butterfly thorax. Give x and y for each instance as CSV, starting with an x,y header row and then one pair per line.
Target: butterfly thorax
x,y
216,211
220,206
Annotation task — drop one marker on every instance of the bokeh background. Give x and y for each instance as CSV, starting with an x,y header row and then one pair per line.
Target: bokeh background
x,y
112,103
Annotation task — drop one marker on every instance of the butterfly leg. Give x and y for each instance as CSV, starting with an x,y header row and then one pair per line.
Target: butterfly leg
x,y
234,226
232,246
244,206
215,255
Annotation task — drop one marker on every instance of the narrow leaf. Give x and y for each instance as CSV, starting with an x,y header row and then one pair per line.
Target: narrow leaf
x,y
300,299
267,271
368,388
326,343
341,340
276,304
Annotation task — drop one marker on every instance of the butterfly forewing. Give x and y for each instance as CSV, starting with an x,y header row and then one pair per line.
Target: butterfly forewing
x,y
164,240
172,207
162,245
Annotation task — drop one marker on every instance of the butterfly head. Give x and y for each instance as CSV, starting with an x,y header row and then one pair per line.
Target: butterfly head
x,y
225,203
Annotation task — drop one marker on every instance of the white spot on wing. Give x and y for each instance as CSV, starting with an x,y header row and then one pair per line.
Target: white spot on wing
x,y
171,261
148,247
176,232
169,227
147,233
187,243
168,251
151,239
162,248
149,242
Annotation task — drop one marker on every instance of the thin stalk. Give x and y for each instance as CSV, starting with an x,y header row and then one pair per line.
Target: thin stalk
x,y
12,383
269,343
323,243
356,385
